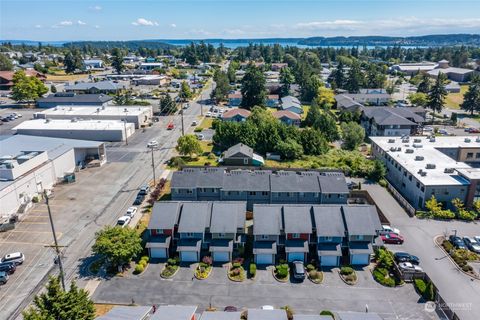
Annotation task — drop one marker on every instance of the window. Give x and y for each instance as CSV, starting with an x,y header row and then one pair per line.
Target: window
x,y
221,235
469,155
327,238
410,177
264,237
264,193
477,155
275,194
252,193
189,191
418,184
245,161
359,237
295,235
422,189
301,194
189,234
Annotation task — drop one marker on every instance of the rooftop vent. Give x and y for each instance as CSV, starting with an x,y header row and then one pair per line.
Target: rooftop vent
x,y
449,170
423,173
419,158
430,166
468,140
432,139
409,151
406,140
417,140
391,140
417,145
74,120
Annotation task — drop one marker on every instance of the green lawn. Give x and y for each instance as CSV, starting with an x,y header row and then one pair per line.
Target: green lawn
x,y
203,159
206,123
454,100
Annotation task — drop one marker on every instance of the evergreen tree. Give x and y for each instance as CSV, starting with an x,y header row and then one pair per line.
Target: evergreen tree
x,y
73,61
471,98
253,88
117,60
424,85
437,94
313,142
353,135
222,85
355,79
167,105
327,125
5,63
185,92
339,78
286,79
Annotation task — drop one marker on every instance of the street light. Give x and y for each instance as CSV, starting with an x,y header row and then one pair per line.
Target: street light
x,y
125,125
153,165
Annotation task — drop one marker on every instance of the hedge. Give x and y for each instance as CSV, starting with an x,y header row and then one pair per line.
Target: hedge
x,y
381,276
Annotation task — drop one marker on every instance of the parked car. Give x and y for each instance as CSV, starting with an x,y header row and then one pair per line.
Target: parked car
x,y
144,190
17,115
200,136
457,242
208,114
407,266
152,144
298,270
123,221
170,126
472,244
392,238
473,130
139,199
3,277
390,229
15,257
194,123
477,238
131,212
406,257
8,267
6,119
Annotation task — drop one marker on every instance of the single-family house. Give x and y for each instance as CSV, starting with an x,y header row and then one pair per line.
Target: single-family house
x,y
127,313
373,97
162,227
6,78
267,228
261,314
194,223
92,64
272,100
150,65
362,224
173,312
221,315
297,221
242,155
234,99
278,66
344,102
292,104
236,115
330,233
288,117
388,121
227,229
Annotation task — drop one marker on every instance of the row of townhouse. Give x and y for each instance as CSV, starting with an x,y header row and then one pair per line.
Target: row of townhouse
x,y
259,186
291,232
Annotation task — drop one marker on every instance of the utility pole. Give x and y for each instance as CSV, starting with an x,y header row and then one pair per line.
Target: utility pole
x,y
153,167
183,129
125,126
57,250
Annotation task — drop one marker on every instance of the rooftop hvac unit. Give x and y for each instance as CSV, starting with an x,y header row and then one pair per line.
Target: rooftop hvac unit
x,y
393,149
406,140
432,139
391,140
417,140
409,151
478,139
430,166
420,171
419,158
468,140
417,145
449,170
423,173
74,120
47,120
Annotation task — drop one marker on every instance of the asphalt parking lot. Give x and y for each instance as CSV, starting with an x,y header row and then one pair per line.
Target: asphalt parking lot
x,y
6,127
217,291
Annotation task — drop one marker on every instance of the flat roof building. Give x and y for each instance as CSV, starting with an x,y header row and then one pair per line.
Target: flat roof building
x,y
71,98
97,130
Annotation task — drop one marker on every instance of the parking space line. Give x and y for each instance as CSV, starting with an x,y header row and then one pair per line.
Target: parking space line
x,y
32,222
29,243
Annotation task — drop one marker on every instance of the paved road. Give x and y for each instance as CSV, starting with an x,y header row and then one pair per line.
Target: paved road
x,y
457,289
98,198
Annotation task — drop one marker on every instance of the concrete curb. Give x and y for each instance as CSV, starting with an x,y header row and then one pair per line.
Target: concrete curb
x,y
350,284
173,275
451,259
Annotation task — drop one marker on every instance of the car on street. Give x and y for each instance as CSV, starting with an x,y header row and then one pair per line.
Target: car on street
x,y
170,126
123,221
6,119
3,277
208,114
443,132
144,190
15,257
429,129
472,130
186,106
391,238
298,270
152,144
131,212
407,266
472,244
17,115
8,267
457,242
406,257
390,229
194,123
139,199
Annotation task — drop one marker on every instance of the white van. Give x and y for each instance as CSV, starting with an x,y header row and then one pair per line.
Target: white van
x,y
16,257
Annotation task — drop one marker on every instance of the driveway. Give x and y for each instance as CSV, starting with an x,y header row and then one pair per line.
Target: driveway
x,y
458,290
306,297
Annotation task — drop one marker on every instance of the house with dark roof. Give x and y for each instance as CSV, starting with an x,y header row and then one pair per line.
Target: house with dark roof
x,y
234,99
362,224
128,313
245,185
388,121
330,233
344,102
261,314
94,87
297,222
175,312
288,117
162,227
193,225
227,229
236,115
333,187
71,99
221,315
267,228
242,155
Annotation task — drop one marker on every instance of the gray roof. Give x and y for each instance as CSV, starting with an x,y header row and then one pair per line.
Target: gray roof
x,y
220,315
201,178
267,219
174,313
244,180
329,221
310,317
346,102
358,316
126,313
392,116
100,85
333,182
290,101
241,148
329,249
164,215
361,220
356,247
65,98
259,314
227,217
195,217
297,218
291,181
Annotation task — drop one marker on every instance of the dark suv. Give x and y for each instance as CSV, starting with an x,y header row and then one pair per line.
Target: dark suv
x,y
457,242
8,267
406,257
298,270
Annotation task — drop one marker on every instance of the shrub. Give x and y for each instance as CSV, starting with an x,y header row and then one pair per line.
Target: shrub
x,y
282,271
145,258
235,272
310,267
253,269
139,268
447,245
203,265
381,276
177,162
346,271
315,275
382,183
236,265
238,260
198,129
207,260
327,313
211,156
420,285
467,268
142,263
172,262
351,278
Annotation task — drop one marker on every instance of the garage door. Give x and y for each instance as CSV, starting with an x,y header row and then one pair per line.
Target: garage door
x,y
360,259
329,261
293,256
188,256
221,256
158,253
264,259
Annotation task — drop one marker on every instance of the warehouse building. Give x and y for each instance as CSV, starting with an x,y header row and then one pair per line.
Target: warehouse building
x,y
97,130
139,116
29,164
422,167
71,98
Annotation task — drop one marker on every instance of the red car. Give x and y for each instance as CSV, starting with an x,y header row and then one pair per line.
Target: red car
x,y
473,130
392,238
170,126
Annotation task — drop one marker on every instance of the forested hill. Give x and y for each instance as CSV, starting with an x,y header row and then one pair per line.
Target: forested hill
x,y
130,45
428,40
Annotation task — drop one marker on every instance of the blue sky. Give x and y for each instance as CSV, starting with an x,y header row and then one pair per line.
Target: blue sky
x,y
48,20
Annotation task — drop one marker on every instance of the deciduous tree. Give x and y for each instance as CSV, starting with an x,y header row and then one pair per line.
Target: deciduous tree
x,y
352,134
189,145
27,88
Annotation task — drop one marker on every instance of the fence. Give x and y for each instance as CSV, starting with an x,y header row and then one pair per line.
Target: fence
x,y
401,200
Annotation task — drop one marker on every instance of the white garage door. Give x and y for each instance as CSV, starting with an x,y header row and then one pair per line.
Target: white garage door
x,y
221,256
158,253
360,259
329,261
264,258
296,256
188,256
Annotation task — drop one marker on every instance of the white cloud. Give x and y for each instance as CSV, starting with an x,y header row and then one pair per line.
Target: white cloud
x,y
38,26
173,25
96,8
144,22
81,23
66,23
97,26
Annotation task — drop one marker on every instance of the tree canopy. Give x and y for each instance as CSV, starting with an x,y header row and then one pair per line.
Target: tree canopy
x,y
189,145
27,88
352,134
437,94
5,63
253,88
471,98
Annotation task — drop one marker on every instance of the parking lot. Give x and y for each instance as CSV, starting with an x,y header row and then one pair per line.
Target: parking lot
x,y
306,297
6,127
